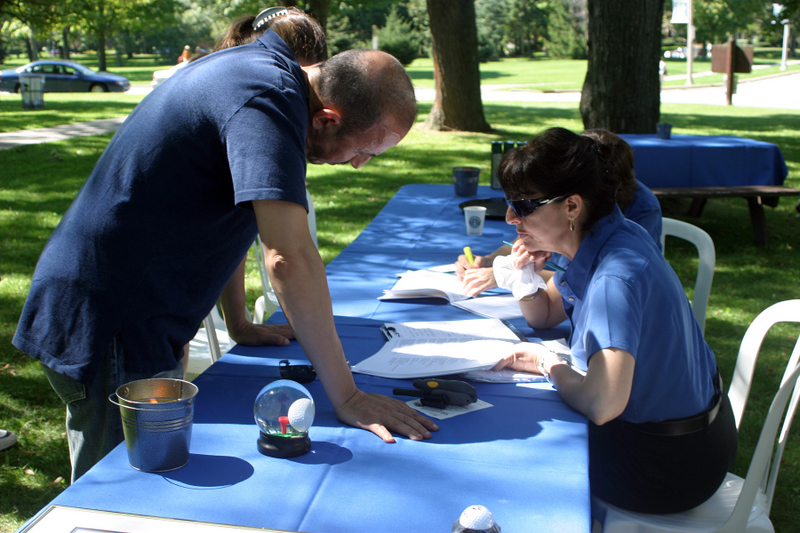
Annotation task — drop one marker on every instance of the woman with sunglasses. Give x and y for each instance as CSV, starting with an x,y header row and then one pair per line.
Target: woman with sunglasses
x,y
661,430
635,200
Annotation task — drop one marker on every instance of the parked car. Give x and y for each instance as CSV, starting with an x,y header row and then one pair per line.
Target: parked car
x,y
160,75
64,77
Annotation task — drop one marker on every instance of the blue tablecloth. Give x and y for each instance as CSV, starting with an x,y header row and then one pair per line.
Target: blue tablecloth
x,y
525,458
706,161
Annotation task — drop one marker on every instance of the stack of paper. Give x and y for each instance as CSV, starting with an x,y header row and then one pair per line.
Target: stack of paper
x,y
428,349
508,375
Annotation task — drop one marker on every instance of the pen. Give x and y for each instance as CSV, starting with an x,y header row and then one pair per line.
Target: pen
x,y
468,253
546,262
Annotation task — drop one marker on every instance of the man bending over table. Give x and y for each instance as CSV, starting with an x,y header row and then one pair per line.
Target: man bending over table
x,y
203,163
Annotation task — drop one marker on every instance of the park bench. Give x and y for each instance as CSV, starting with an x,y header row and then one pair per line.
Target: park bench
x,y
757,197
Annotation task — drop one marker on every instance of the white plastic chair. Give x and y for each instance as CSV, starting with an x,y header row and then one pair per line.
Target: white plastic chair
x,y
208,344
705,267
739,504
212,341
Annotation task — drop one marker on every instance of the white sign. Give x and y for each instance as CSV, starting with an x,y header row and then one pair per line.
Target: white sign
x,y
680,12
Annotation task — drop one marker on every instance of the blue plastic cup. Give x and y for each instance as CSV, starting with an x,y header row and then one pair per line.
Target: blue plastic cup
x,y
465,180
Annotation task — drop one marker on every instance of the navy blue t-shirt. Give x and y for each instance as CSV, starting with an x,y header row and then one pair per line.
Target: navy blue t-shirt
x,y
165,218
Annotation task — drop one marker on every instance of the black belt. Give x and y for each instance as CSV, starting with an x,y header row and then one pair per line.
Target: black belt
x,y
685,426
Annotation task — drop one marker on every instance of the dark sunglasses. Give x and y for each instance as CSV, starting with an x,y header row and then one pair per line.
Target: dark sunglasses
x,y
527,206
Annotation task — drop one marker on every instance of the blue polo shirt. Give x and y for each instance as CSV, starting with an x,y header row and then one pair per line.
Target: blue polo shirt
x,y
165,217
620,292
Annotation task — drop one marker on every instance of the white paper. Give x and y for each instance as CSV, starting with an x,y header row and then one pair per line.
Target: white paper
x,y
428,349
420,358
502,306
449,267
503,376
449,411
508,375
484,328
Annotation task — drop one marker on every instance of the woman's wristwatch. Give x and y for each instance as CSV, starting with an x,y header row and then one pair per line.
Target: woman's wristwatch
x,y
547,361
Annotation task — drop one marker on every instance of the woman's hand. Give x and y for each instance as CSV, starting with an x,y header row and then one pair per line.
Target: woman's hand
x,y
521,257
524,357
480,261
477,280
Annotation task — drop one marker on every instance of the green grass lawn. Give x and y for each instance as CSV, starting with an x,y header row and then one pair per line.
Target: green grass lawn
x,y
38,182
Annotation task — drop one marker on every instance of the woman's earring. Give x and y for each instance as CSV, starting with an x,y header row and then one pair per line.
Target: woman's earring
x,y
572,224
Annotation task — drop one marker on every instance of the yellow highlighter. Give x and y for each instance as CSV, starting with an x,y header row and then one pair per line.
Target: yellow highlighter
x,y
468,253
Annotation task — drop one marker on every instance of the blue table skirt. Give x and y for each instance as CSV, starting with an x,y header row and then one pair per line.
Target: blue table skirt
x,y
706,161
518,458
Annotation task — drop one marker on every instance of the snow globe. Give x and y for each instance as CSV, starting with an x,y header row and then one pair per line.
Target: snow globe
x,y
284,410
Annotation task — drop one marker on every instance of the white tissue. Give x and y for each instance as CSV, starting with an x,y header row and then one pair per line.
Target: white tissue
x,y
520,282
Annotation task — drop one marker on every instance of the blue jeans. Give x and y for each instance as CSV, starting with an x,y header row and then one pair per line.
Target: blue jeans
x,y
94,427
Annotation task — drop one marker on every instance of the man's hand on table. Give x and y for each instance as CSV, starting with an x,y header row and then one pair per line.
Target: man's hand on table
x,y
383,415
249,334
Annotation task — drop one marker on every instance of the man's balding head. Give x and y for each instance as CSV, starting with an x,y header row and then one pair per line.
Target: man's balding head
x,y
365,86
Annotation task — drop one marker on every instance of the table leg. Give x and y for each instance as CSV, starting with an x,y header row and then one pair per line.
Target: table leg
x,y
771,201
758,220
696,209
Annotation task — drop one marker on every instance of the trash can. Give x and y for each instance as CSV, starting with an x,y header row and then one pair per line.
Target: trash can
x,y
32,88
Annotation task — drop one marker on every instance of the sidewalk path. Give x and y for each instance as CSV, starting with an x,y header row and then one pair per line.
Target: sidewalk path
x,y
59,133
781,91
778,92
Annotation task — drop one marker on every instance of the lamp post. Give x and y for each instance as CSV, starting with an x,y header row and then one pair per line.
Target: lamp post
x,y
777,11
785,44
689,44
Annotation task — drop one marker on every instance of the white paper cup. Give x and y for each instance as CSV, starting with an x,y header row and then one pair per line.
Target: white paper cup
x,y
474,217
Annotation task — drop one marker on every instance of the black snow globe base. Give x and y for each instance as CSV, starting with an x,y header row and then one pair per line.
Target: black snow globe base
x,y
283,447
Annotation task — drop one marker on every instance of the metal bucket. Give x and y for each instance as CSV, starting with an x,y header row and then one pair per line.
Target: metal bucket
x,y
157,421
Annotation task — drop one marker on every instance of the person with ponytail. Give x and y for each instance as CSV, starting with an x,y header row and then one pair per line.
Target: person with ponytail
x,y
661,431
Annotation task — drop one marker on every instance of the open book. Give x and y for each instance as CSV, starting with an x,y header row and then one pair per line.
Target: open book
x,y
426,284
435,283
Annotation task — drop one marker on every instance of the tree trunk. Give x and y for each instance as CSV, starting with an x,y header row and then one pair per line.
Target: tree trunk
x,y
101,50
320,9
65,43
33,46
621,91
454,44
